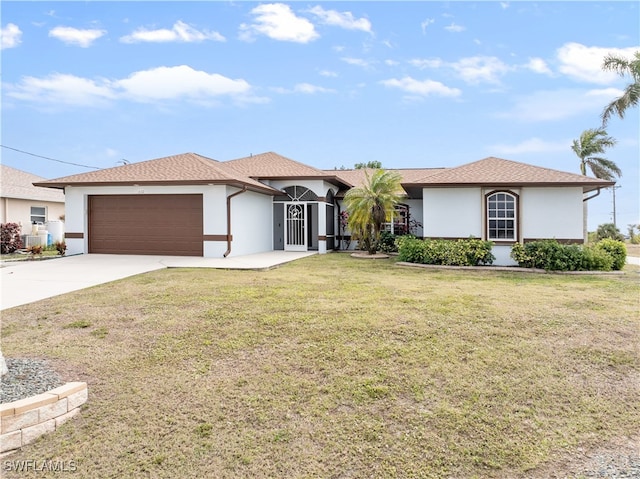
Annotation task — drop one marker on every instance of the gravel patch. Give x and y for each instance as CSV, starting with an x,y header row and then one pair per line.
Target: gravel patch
x,y
27,377
613,466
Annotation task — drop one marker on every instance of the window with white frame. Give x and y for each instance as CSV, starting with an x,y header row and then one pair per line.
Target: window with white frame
x,y
38,214
502,219
400,223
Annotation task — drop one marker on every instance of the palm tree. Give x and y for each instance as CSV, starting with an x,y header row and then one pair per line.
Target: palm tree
x,y
629,98
592,142
595,141
371,205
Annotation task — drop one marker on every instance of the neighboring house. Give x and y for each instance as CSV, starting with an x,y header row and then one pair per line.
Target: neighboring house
x,y
191,205
24,203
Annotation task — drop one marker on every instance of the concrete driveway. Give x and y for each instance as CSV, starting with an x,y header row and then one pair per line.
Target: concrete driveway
x,y
25,282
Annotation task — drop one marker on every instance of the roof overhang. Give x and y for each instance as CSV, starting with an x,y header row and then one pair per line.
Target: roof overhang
x,y
586,187
239,184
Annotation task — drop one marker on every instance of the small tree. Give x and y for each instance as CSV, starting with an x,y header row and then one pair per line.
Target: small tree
x,y
609,230
591,144
633,236
376,165
371,205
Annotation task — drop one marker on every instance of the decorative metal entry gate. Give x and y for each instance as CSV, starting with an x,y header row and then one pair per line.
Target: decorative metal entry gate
x,y
295,231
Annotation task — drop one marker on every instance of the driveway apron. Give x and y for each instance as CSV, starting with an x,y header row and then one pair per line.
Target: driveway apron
x,y
25,282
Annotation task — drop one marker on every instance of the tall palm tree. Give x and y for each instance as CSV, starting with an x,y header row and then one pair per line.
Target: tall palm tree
x,y
629,98
371,205
592,142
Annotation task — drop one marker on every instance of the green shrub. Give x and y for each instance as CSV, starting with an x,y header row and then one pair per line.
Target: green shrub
x,y
387,242
596,259
616,249
553,256
468,252
411,249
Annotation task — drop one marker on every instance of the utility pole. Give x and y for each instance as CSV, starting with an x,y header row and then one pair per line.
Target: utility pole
x,y
613,190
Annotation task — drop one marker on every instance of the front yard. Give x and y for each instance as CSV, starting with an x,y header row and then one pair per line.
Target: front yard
x,y
336,367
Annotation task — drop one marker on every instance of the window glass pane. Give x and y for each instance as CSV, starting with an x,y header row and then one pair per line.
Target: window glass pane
x,y
38,214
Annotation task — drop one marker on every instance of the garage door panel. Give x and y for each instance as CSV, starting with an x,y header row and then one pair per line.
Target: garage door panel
x,y
146,224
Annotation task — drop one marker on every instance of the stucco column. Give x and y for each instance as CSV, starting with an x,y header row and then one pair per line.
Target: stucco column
x,y
322,227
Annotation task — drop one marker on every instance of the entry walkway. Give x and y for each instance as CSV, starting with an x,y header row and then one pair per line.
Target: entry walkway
x,y
25,282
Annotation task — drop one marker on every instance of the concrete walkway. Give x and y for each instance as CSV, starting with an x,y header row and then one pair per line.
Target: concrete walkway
x,y
633,260
25,282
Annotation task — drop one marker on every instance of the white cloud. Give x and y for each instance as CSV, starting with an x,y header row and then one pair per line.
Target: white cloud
x,y
147,86
343,20
425,24
480,69
311,89
76,36
423,63
391,63
559,104
585,63
170,83
538,65
504,5
531,145
278,22
328,73
180,32
359,62
61,88
454,28
422,88
11,36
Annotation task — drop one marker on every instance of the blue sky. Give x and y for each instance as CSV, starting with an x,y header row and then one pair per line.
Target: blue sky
x,y
329,84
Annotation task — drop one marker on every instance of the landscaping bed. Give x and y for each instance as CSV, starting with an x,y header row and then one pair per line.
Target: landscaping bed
x,y
329,366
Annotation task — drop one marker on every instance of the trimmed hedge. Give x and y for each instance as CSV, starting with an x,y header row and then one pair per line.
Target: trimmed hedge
x,y
467,252
616,249
550,255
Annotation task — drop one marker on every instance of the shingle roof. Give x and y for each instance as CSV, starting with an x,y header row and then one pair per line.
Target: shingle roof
x,y
18,184
186,168
496,172
357,177
273,165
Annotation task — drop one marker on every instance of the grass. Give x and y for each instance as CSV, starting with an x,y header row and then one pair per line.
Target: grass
x,y
25,256
336,367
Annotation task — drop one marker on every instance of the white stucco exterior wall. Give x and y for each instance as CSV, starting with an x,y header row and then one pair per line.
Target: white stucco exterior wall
x,y
415,213
452,212
251,216
251,223
548,213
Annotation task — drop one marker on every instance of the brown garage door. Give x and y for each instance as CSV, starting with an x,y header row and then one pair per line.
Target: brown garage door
x,y
146,224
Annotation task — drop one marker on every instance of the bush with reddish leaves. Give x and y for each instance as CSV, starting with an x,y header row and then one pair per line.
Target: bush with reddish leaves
x,y
10,236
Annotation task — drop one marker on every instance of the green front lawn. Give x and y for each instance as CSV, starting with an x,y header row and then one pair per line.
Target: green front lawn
x,y
336,367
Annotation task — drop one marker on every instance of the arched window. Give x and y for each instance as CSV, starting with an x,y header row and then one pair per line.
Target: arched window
x,y
300,193
502,216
